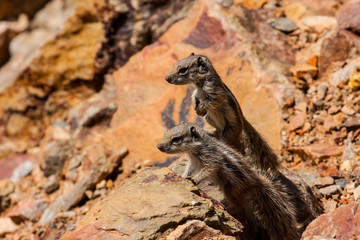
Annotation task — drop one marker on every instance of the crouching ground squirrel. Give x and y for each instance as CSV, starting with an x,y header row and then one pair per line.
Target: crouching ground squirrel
x,y
242,185
213,100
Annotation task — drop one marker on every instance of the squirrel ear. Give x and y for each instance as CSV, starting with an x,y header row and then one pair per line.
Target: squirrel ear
x,y
202,65
194,133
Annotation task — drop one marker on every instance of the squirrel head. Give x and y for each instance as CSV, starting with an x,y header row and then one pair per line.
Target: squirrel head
x,y
181,138
193,69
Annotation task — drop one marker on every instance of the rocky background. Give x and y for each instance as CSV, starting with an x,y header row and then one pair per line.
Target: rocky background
x,y
83,103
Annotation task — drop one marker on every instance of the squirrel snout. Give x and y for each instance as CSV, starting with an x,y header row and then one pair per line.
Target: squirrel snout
x,y
168,78
161,147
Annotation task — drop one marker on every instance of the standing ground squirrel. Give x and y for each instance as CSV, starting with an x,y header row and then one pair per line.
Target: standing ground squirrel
x,y
213,100
243,186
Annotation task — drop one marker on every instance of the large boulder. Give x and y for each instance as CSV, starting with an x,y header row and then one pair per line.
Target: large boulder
x,y
152,204
343,223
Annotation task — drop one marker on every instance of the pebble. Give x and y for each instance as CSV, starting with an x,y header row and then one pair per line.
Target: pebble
x,y
7,226
350,187
101,184
334,110
357,193
99,192
348,111
109,183
22,171
330,190
52,184
322,90
341,182
283,24
346,165
324,181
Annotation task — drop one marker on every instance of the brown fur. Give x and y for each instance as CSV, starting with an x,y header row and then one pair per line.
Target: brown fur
x,y
244,188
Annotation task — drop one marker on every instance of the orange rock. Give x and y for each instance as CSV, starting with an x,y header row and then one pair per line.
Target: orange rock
x,y
302,69
295,11
251,4
148,105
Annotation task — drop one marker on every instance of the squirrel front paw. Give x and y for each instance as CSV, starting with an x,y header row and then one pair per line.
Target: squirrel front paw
x,y
200,111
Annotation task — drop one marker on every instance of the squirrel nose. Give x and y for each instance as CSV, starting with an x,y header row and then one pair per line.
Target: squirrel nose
x,y
167,78
161,147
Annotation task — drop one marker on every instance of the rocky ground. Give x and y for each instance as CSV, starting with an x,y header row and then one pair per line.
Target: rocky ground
x,y
83,103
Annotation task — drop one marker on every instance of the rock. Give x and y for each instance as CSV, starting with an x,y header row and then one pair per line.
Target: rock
x,y
324,181
318,24
195,229
348,158
157,197
251,4
12,8
27,208
75,162
283,24
330,205
341,75
297,122
334,48
352,123
60,134
7,226
302,70
357,193
350,187
316,152
341,182
295,11
225,3
25,47
54,155
347,110
325,169
343,223
8,30
100,107
329,124
52,184
8,165
97,167
348,16
6,188
16,124
334,109
330,190
145,99
322,90
354,81
22,170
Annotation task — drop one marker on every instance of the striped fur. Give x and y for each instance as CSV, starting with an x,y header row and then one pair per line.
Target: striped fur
x,y
243,186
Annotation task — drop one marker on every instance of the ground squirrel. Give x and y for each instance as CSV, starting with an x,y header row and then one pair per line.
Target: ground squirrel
x,y
213,100
243,186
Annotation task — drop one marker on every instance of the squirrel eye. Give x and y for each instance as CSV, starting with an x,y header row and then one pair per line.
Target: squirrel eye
x,y
183,70
176,140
